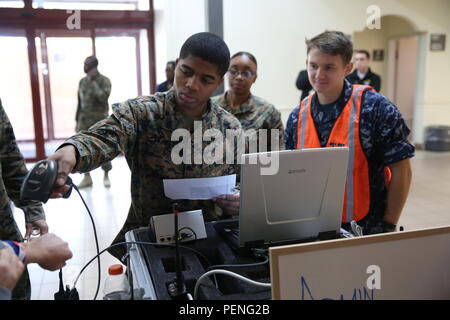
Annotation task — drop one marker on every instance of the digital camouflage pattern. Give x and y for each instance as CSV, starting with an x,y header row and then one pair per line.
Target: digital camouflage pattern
x,y
12,173
93,104
256,113
142,128
92,101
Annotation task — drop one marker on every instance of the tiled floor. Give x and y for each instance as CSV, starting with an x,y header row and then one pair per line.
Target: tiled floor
x,y
427,206
69,219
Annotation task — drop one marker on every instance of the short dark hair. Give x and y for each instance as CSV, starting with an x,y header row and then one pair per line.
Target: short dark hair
x,y
171,63
364,52
94,60
209,47
334,43
245,53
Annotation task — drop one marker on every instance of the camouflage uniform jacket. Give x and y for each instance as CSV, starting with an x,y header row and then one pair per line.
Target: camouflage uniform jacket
x,y
12,173
141,128
255,113
92,101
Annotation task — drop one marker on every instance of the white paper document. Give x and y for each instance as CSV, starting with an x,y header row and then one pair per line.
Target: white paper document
x,y
199,189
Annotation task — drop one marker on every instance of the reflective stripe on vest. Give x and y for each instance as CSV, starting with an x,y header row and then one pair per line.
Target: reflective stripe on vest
x,y
345,133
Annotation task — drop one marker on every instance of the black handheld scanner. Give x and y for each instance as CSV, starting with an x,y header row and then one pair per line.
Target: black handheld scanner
x,y
40,181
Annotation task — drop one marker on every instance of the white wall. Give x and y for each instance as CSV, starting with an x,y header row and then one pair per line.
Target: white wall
x,y
392,27
275,31
175,21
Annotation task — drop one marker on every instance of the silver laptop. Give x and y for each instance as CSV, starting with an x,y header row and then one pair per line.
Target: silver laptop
x,y
302,200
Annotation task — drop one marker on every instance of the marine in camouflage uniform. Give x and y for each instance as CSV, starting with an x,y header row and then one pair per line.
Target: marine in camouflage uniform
x,y
92,101
256,113
142,129
93,94
12,173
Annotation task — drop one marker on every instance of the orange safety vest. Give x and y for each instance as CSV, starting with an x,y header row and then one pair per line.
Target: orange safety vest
x,y
345,133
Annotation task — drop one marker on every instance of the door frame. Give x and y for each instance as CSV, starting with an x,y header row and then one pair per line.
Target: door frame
x,y
418,107
32,21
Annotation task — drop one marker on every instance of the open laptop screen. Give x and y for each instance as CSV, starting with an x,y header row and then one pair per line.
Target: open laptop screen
x,y
300,200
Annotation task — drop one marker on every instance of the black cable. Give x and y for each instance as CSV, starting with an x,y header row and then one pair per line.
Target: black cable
x,y
191,230
179,280
195,238
98,248
122,243
96,240
221,266
130,277
137,243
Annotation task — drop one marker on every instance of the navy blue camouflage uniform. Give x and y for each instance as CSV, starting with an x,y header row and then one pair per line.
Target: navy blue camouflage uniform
x,y
384,138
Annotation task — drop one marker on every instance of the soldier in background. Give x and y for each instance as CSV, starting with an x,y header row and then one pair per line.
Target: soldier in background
x,y
93,94
362,73
12,174
252,112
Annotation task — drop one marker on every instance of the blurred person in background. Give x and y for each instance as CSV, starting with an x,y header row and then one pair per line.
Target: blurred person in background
x,y
93,94
252,112
170,75
362,73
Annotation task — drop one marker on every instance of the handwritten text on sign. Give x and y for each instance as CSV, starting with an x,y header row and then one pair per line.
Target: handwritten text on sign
x,y
364,293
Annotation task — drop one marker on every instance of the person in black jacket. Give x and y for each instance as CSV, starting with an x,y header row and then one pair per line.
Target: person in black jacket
x,y
362,73
303,84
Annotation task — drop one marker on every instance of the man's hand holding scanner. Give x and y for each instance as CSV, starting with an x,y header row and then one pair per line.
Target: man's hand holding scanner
x,y
67,160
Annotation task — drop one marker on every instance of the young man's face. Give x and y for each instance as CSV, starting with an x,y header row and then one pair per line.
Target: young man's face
x,y
326,72
362,62
195,82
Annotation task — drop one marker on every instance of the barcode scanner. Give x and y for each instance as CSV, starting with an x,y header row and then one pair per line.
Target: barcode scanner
x,y
38,185
40,182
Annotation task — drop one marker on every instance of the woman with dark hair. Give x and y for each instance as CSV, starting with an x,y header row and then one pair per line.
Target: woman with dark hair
x,y
253,112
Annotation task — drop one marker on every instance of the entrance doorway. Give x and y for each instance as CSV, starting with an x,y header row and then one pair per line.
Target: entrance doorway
x,y
42,64
401,66
402,75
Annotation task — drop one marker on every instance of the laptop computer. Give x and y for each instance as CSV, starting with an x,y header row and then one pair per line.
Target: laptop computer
x,y
302,200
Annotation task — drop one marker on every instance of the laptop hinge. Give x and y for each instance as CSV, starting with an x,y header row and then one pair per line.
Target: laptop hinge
x,y
328,235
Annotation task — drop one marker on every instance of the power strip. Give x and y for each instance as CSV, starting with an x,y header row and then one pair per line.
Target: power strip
x,y
189,222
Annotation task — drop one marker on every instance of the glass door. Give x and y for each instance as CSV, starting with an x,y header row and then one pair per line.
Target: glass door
x,y
64,70
15,90
41,62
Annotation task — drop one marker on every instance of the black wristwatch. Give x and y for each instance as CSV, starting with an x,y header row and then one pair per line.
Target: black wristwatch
x,y
388,227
